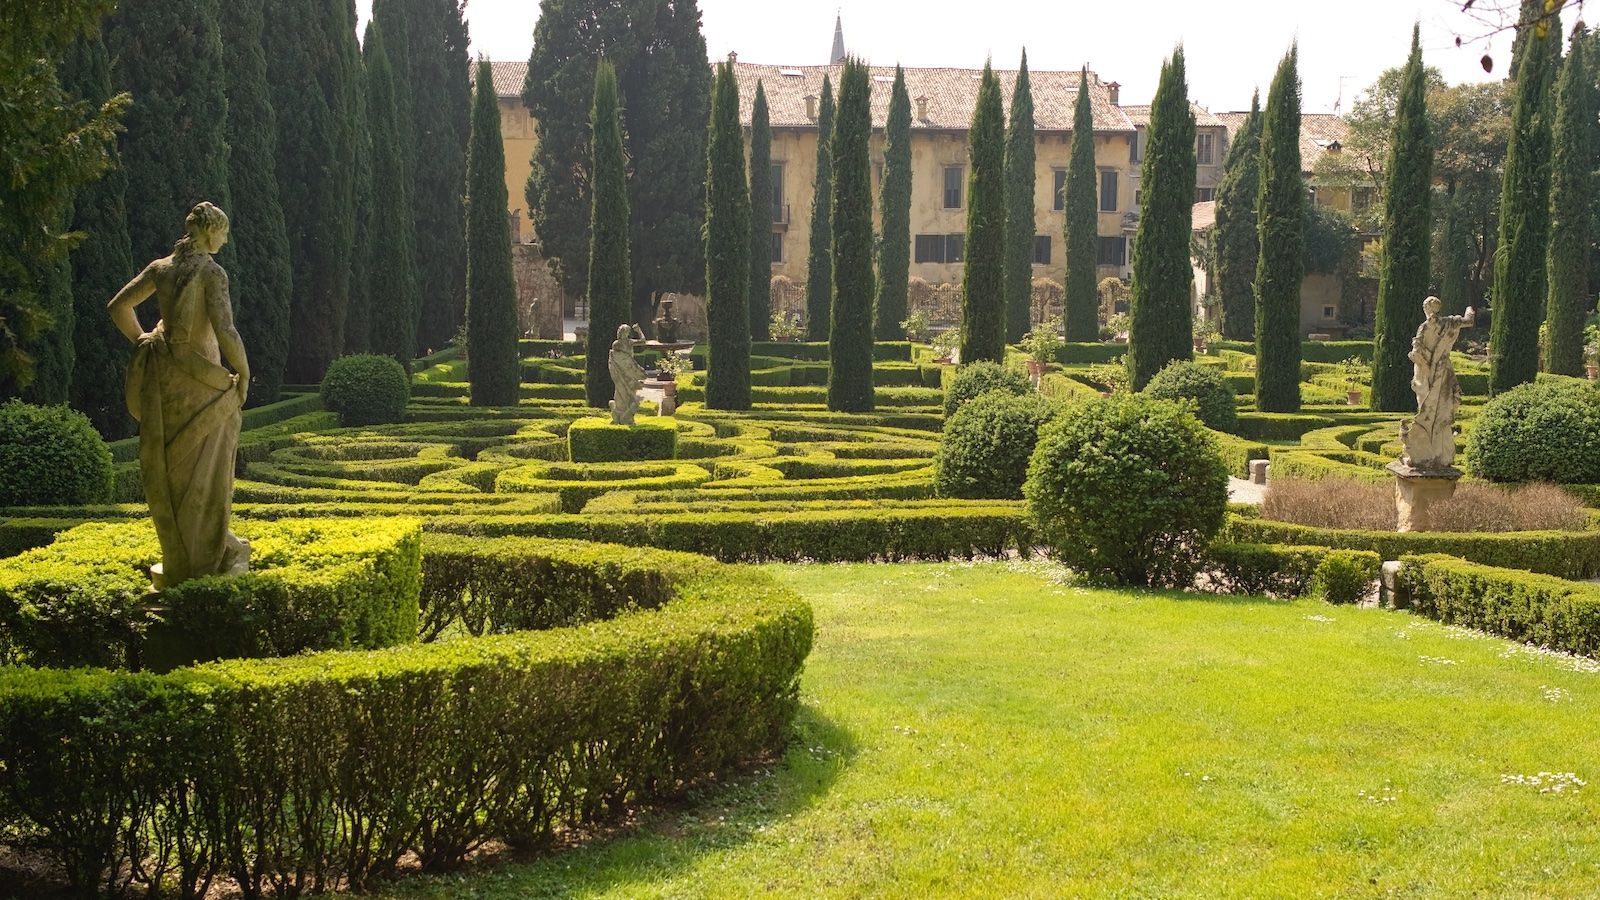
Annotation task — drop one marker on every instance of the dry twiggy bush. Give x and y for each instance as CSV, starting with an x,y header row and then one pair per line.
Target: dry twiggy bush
x,y
1369,505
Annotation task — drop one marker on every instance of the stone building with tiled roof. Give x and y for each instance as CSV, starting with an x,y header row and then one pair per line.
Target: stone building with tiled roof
x,y
520,138
1320,134
942,103
1210,147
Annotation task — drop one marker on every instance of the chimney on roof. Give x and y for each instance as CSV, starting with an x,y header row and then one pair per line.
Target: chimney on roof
x,y
836,55
922,109
1115,90
811,106
733,56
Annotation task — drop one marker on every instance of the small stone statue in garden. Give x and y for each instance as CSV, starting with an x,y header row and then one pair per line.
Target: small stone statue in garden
x,y
667,324
1429,438
187,403
626,375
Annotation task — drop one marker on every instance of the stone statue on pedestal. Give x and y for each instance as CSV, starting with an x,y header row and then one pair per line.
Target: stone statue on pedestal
x,y
626,375
1424,474
187,403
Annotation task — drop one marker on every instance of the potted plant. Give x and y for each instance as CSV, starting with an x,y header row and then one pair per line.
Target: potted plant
x,y
667,371
916,327
1041,345
1206,334
945,345
787,328
1591,351
1354,368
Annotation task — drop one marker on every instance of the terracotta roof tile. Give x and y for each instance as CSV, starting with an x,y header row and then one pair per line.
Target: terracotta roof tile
x,y
1139,114
951,95
508,77
1318,132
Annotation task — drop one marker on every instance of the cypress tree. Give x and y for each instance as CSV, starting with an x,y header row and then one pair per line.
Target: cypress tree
x,y
609,270
727,251
359,311
819,264
493,366
760,218
1019,208
313,68
894,249
260,281
1407,233
1161,320
850,336
1455,246
1567,265
168,55
983,311
101,264
1280,218
1083,223
1518,295
1237,242
52,349
393,282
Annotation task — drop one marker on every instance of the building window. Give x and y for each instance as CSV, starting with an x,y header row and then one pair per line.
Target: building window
x,y
1204,148
777,247
1133,147
778,216
1108,190
1111,251
1328,312
1059,192
952,186
1361,199
1041,249
1138,197
938,248
1204,195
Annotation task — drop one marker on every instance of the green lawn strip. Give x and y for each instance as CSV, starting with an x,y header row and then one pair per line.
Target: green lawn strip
x,y
980,729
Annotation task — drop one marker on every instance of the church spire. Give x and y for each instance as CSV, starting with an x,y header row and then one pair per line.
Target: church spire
x,y
836,57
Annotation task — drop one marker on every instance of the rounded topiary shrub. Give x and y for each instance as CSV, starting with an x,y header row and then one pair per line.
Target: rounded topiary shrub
x,y
982,377
1128,490
51,455
1548,430
366,389
1186,380
986,445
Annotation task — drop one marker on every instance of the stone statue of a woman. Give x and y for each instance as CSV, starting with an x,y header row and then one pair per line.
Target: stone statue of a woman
x,y
626,375
1430,439
187,403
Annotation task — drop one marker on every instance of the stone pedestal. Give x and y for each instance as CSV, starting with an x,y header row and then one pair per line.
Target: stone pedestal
x,y
1417,490
1258,471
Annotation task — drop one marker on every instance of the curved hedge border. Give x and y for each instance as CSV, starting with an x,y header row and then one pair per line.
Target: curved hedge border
x,y
319,771
1539,609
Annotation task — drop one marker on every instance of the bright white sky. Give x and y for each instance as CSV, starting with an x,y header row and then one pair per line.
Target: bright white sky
x,y
1232,46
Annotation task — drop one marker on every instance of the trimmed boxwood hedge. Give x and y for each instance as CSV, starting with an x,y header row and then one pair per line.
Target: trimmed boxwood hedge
x,y
322,584
1275,570
309,773
1538,609
576,484
596,439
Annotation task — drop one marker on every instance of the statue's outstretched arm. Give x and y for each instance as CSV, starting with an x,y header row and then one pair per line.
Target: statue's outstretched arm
x,y
219,307
122,305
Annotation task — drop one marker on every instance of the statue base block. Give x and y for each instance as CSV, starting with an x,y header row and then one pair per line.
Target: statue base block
x,y
1416,491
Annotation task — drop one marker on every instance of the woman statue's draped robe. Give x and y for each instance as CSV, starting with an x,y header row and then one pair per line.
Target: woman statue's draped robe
x,y
188,408
1430,439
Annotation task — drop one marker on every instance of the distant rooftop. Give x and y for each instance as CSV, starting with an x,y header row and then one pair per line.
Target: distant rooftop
x,y
1319,133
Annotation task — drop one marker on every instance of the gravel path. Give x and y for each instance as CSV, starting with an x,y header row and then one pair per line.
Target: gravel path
x,y
1241,491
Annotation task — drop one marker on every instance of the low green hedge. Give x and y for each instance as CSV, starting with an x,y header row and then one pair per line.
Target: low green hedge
x,y
1309,465
1564,554
1237,453
1338,576
310,773
577,483
1537,609
596,439
1077,354
885,351
328,583
1260,426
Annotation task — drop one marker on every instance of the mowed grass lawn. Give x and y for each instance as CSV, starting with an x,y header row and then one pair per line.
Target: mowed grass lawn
x,y
988,730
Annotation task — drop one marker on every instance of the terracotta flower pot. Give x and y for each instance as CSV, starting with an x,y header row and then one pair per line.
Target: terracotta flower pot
x,y
1036,368
1592,370
1352,398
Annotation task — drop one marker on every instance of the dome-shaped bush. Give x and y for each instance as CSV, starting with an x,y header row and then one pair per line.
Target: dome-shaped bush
x,y
1548,430
982,377
1186,380
366,389
1128,490
986,446
51,455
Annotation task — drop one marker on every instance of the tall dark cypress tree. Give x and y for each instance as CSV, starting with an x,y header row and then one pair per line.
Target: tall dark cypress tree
x,y
493,366
168,55
727,251
1570,196
819,264
894,247
850,339
101,265
313,68
1020,177
983,310
1083,223
760,218
1518,296
1280,218
1455,247
609,270
1238,244
392,277
260,281
1407,235
358,309
1161,319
